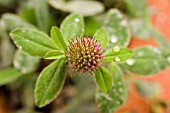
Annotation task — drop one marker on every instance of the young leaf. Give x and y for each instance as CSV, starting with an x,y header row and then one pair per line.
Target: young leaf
x,y
9,75
103,79
55,54
50,82
72,27
58,38
147,60
24,62
108,103
102,37
33,42
42,14
118,54
117,27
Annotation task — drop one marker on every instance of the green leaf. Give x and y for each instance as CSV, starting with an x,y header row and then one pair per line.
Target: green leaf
x,y
102,36
147,60
103,79
9,75
160,39
108,103
24,62
55,54
117,27
50,82
33,42
137,8
6,49
72,27
58,38
42,14
91,26
12,21
118,54
78,6
141,28
148,89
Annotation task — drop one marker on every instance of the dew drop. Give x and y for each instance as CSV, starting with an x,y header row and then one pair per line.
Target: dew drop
x,y
130,62
156,50
114,39
20,47
140,53
123,23
118,102
119,83
76,19
117,59
116,48
168,58
120,90
23,31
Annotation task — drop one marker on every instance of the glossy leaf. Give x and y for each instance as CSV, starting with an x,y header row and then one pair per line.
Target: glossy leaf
x,y
108,103
78,6
42,14
55,54
9,75
33,42
12,21
58,38
117,27
103,79
72,27
102,36
50,82
117,54
147,60
24,62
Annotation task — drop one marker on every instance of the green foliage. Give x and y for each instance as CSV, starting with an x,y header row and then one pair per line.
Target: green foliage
x,y
72,27
117,54
9,75
147,60
58,38
42,14
102,36
104,79
117,27
108,103
24,62
12,21
137,8
33,42
50,82
78,6
54,54
91,26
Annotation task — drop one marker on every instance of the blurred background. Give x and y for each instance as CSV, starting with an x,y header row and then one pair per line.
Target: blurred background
x,y
19,71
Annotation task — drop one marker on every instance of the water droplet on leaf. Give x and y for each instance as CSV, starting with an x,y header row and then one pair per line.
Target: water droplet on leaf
x,y
117,59
114,39
123,23
76,19
140,53
130,62
168,58
116,48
